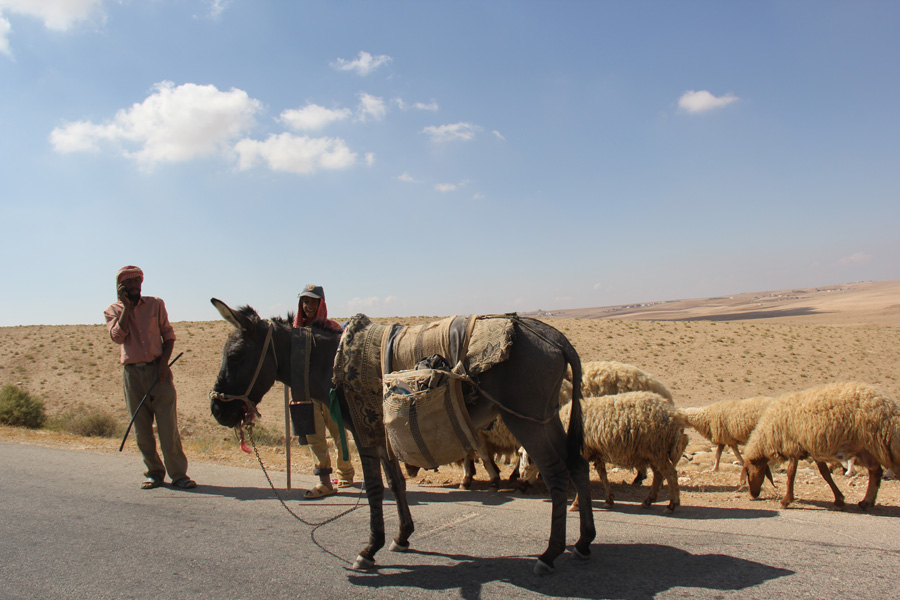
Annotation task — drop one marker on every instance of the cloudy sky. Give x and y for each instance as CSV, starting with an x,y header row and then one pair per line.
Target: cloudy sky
x,y
436,158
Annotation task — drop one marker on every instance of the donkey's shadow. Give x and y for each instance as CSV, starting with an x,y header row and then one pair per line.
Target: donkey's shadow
x,y
614,571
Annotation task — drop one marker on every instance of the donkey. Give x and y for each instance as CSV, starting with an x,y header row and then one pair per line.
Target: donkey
x,y
257,353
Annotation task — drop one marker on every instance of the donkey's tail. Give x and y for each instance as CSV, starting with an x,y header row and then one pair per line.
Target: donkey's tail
x,y
575,434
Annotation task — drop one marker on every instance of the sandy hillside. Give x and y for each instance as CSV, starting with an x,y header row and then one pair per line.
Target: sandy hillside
x,y
704,349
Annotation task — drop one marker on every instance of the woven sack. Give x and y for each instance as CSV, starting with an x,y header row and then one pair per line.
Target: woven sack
x,y
425,418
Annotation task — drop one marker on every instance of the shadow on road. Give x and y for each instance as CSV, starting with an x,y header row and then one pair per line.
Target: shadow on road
x,y
626,571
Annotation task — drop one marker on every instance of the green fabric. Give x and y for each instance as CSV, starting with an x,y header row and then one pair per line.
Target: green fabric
x,y
338,417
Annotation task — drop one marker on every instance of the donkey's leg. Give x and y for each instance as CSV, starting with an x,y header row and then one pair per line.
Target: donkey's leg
x,y
546,447
579,472
371,465
397,483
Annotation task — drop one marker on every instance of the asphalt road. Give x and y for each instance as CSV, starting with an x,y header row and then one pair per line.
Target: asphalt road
x,y
74,524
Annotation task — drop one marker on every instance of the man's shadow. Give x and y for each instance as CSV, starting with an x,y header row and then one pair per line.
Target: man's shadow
x,y
626,571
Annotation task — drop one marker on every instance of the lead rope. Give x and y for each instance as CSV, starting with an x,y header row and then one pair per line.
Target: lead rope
x,y
315,526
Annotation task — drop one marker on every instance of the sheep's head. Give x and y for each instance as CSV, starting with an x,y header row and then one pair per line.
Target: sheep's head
x,y
754,473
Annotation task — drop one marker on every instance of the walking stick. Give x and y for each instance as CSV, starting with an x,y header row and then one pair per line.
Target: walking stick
x,y
141,403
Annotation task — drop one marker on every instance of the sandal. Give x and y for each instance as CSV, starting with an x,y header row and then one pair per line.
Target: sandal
x,y
150,483
344,483
320,491
185,483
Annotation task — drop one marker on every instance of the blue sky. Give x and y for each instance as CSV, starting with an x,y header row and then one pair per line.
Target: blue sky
x,y
437,158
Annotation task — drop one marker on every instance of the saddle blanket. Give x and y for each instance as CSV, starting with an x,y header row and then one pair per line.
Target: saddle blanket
x,y
359,364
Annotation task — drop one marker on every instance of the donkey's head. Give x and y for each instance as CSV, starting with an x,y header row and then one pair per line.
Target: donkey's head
x,y
248,366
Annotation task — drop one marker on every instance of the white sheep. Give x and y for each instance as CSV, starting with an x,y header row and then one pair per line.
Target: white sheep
x,y
633,430
599,378
727,423
498,441
824,423
608,377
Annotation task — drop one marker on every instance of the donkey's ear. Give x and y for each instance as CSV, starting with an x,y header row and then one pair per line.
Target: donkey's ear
x,y
238,320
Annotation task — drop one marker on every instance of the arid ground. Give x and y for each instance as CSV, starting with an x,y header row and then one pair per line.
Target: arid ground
x,y
705,350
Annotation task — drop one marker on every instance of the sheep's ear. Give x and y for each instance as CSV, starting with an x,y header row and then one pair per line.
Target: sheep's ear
x,y
769,476
237,320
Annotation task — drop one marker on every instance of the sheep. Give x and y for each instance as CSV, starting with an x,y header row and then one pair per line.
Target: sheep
x,y
497,440
727,423
823,423
632,430
599,378
608,377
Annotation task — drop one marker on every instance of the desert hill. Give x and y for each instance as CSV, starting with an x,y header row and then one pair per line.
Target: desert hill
x,y
869,302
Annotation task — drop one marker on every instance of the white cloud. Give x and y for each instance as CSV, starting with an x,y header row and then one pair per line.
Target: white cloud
x,y
702,101
402,105
498,135
5,28
478,197
58,15
855,259
452,132
313,117
173,124
364,64
292,154
406,178
370,158
217,7
371,107
450,187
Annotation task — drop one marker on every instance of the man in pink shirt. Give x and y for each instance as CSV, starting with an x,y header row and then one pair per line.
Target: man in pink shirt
x,y
140,325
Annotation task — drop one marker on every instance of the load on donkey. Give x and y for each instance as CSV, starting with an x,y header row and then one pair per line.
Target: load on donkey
x,y
524,388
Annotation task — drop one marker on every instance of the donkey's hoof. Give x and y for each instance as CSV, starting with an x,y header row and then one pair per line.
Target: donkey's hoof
x,y
542,568
363,564
397,547
579,554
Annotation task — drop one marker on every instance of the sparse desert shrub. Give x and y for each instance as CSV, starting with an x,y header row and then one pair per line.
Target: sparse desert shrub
x,y
88,422
267,436
20,409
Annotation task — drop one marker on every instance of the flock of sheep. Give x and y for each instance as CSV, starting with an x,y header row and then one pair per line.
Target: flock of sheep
x,y
630,421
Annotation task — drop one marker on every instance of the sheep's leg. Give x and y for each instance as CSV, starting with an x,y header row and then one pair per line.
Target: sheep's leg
x,y
397,483
654,487
600,465
468,473
371,465
514,476
492,469
671,474
719,449
789,492
639,477
875,475
826,475
737,453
